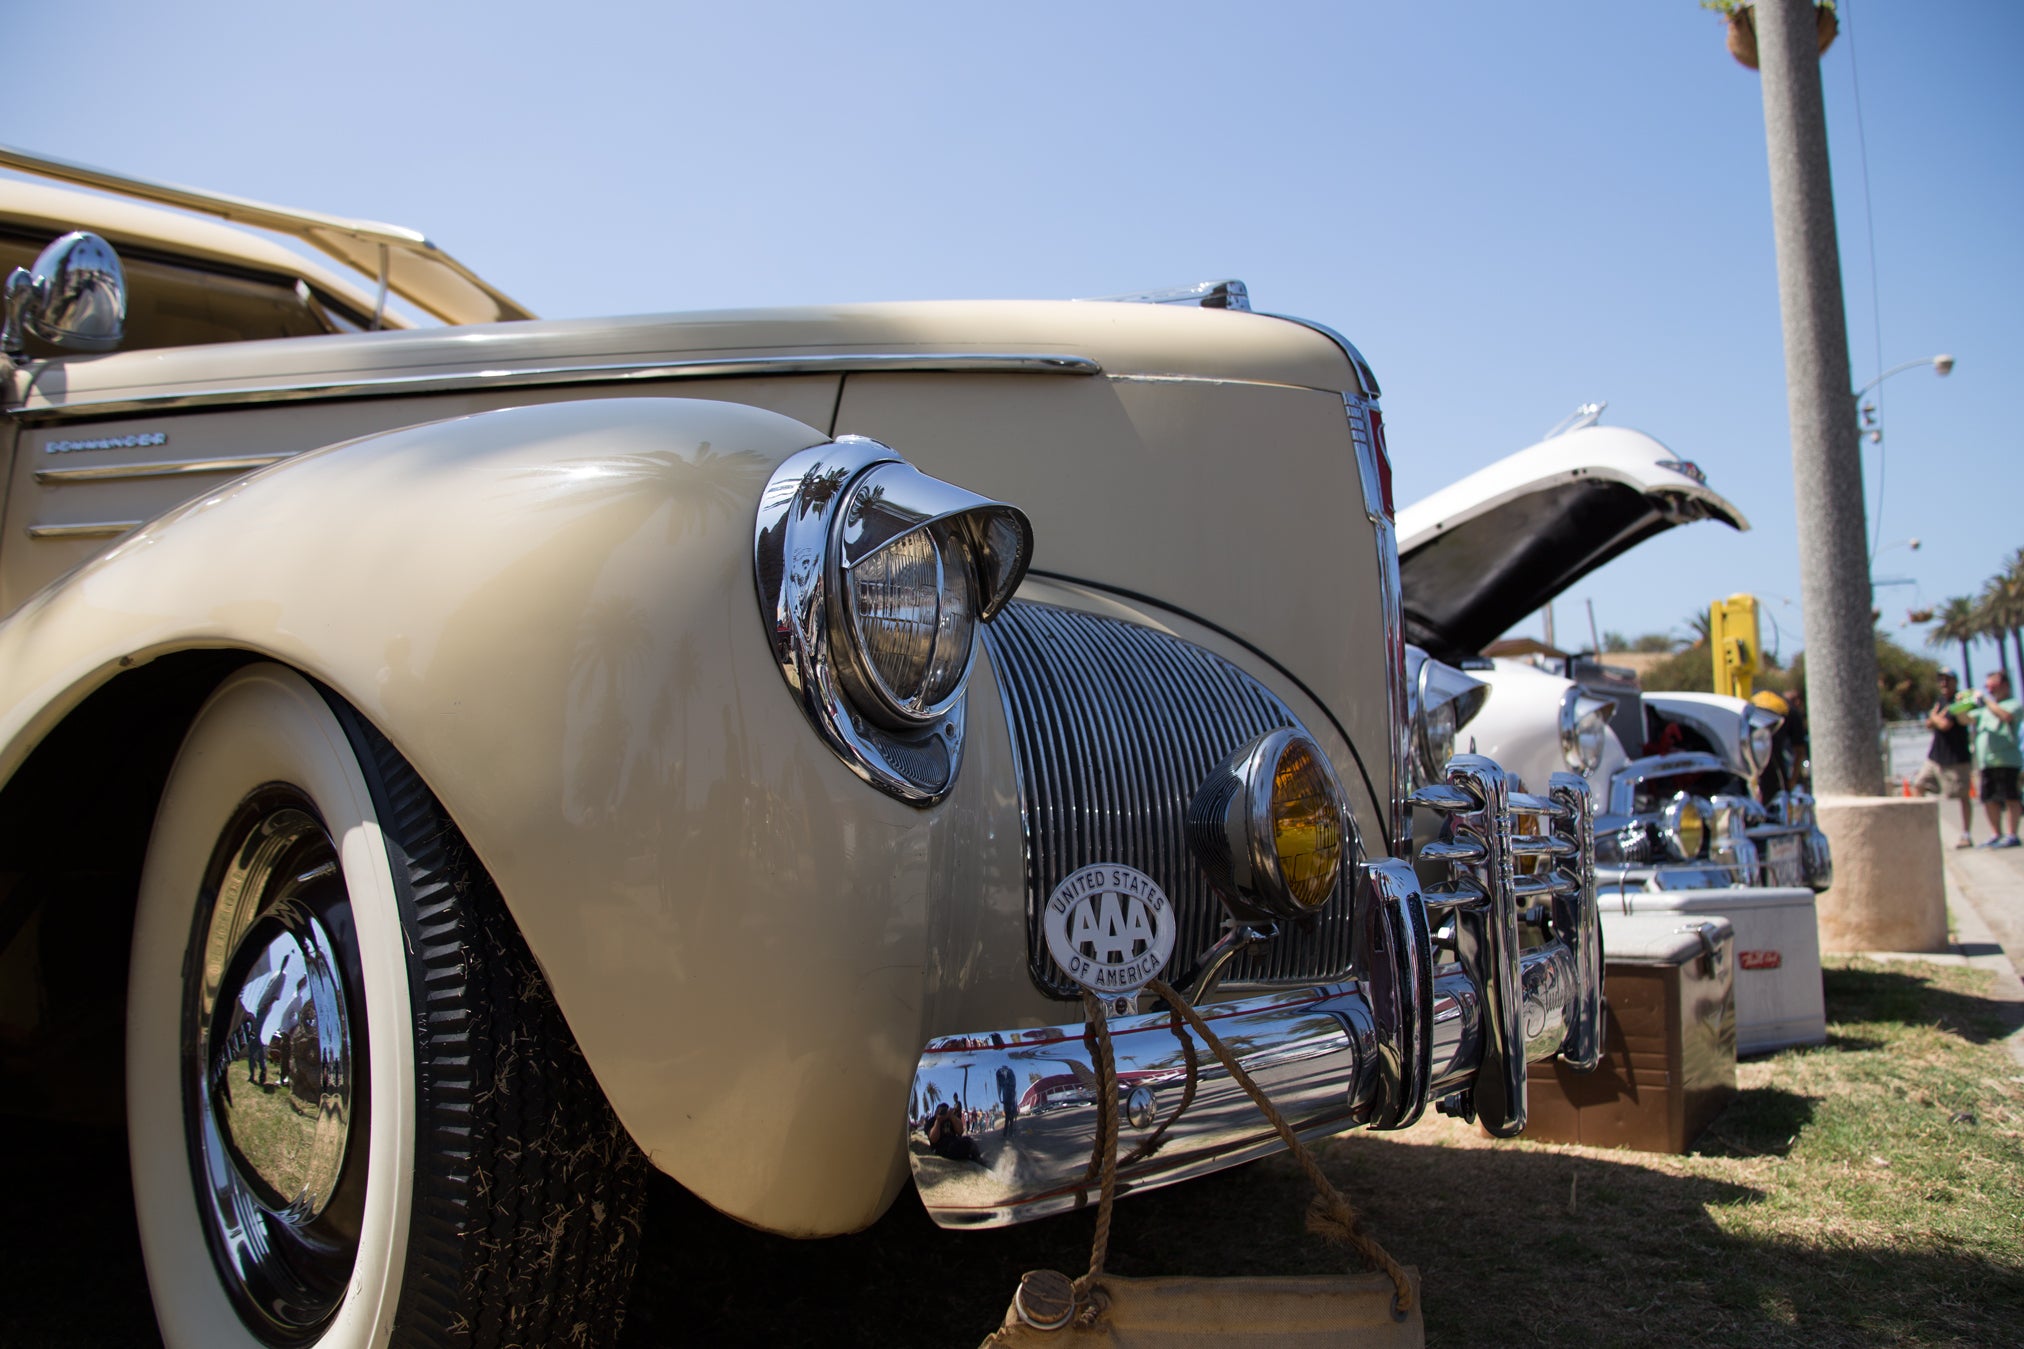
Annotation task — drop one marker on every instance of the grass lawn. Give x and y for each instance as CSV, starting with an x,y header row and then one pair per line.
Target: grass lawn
x,y
1865,1192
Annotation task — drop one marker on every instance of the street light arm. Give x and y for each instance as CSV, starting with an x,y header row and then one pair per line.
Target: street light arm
x,y
1942,363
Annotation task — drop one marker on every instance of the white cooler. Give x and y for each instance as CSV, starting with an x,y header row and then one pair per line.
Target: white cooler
x,y
1778,998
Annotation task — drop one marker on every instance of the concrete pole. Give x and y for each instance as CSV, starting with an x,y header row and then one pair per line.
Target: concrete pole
x,y
1841,691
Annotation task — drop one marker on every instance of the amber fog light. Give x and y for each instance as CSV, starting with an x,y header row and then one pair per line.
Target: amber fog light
x,y
1270,829
1306,826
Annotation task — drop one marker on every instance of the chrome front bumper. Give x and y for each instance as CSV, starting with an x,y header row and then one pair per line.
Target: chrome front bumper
x,y
1371,1051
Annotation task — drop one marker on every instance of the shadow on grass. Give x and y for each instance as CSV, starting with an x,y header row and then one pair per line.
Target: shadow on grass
x,y
1517,1244
1759,1122
1895,996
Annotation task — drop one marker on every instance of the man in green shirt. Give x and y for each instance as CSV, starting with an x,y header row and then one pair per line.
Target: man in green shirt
x,y
1997,755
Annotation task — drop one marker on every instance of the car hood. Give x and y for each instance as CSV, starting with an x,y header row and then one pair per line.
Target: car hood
x,y
1481,553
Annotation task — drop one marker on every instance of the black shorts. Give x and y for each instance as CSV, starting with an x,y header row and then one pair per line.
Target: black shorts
x,y
1999,784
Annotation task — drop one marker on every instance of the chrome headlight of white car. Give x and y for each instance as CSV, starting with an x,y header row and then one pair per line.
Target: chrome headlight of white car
x,y
873,580
1683,826
1584,722
1440,701
1759,726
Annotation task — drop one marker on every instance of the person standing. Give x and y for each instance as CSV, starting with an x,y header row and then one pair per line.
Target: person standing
x,y
1997,756
1949,764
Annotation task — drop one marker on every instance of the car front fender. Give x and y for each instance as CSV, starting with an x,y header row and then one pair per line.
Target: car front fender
x,y
550,611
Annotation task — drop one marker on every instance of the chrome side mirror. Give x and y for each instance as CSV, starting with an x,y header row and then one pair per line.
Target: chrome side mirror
x,y
74,298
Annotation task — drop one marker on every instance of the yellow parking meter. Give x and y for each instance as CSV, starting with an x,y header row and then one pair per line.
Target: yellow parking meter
x,y
1732,632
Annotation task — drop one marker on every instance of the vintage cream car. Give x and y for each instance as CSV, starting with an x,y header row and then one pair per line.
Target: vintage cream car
x,y
496,755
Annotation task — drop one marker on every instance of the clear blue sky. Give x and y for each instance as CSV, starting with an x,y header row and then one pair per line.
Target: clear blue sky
x,y
1511,208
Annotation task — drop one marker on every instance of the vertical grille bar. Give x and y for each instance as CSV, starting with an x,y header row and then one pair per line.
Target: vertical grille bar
x,y
1114,726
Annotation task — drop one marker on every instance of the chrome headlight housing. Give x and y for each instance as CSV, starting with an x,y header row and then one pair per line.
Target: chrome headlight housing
x,y
873,579
1759,726
1683,826
1441,700
1584,725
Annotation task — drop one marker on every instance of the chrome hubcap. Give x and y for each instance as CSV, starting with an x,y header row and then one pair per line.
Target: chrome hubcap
x,y
274,1079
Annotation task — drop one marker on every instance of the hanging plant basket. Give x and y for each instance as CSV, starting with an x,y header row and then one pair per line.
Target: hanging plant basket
x,y
1743,32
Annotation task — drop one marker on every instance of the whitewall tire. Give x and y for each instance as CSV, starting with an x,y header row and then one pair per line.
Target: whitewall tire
x,y
346,1078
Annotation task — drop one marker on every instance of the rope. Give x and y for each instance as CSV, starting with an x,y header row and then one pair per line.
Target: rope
x,y
1151,1144
1329,1216
1103,1157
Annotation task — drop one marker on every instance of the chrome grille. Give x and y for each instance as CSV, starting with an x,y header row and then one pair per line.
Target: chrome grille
x,y
1114,726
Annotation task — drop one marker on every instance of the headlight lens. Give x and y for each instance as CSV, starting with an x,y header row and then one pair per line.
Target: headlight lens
x,y
1438,727
1760,727
1306,826
913,619
1684,827
1584,726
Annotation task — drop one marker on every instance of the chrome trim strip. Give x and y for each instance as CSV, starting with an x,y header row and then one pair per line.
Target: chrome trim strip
x,y
1485,900
1486,941
167,468
1401,993
97,529
965,362
1364,375
1577,922
1391,597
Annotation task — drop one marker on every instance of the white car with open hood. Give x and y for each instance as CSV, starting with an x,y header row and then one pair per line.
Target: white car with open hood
x,y
1679,800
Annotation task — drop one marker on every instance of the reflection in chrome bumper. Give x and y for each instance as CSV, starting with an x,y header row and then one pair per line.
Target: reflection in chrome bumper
x,y
1330,1056
1314,1051
1776,856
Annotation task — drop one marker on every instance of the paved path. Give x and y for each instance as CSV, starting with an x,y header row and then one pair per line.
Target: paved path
x,y
1985,896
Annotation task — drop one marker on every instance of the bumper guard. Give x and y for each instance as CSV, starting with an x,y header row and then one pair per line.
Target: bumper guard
x,y
1368,1051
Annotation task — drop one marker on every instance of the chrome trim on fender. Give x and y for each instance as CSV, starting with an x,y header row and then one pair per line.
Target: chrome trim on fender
x,y
167,468
966,362
1391,598
96,529
1362,367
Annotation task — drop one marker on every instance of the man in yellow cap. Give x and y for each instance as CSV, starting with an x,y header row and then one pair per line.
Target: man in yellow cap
x,y
1788,743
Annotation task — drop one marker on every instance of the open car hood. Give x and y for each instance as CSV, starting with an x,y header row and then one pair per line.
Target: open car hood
x,y
1481,553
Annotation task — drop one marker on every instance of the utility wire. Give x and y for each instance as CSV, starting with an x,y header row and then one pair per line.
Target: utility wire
x,y
1875,303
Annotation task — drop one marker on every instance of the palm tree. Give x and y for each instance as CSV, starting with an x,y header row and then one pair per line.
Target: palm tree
x,y
1700,624
1956,623
2010,581
2000,611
